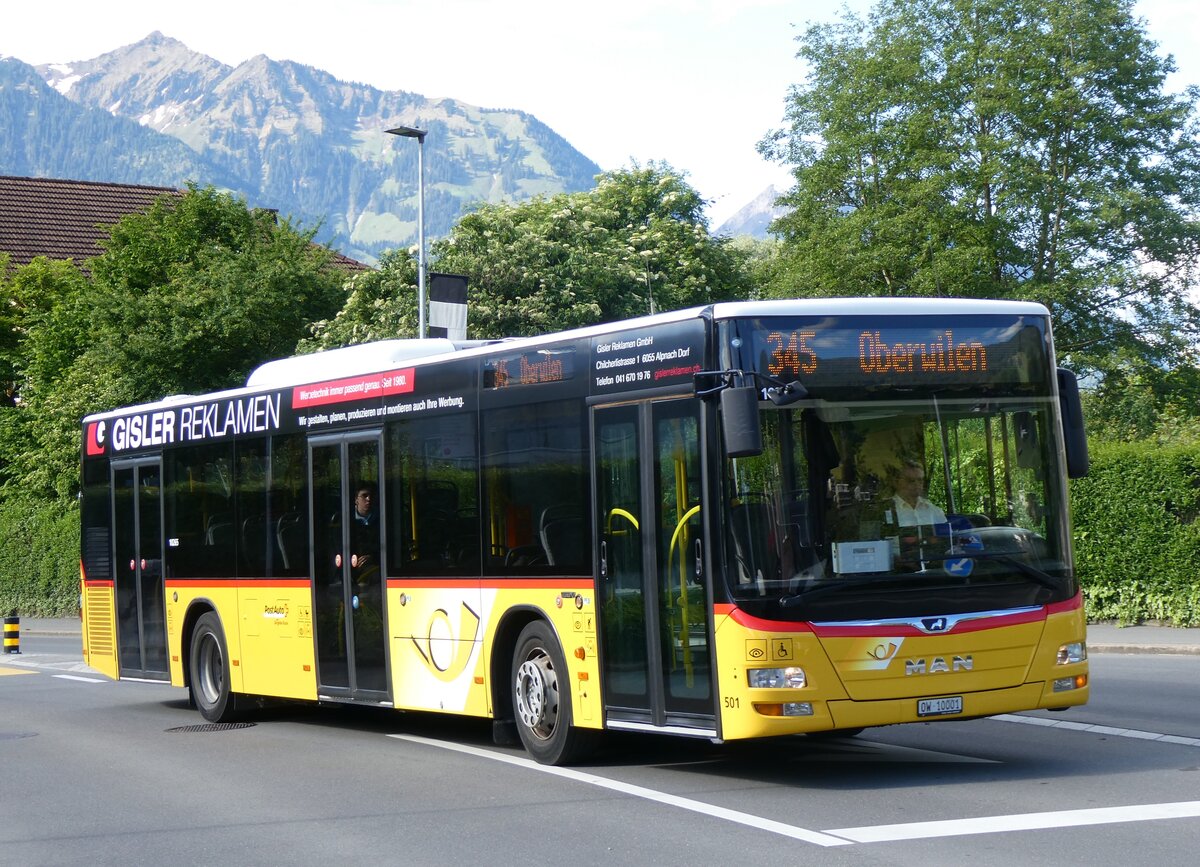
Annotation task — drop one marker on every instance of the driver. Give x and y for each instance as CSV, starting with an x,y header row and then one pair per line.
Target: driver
x,y
911,507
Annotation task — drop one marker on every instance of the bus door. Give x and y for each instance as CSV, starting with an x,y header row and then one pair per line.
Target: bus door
x,y
138,576
347,567
652,591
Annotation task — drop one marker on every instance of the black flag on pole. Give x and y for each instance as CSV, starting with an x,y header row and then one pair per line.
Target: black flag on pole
x,y
448,306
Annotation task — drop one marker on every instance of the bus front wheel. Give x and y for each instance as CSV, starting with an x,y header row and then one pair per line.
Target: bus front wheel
x,y
209,668
542,699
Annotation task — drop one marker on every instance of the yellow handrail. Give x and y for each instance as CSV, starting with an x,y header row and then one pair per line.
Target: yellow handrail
x,y
620,513
684,633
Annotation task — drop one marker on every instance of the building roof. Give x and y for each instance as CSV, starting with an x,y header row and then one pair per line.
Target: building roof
x,y
64,219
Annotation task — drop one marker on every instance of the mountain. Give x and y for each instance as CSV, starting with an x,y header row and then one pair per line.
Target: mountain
x,y
754,217
285,136
44,135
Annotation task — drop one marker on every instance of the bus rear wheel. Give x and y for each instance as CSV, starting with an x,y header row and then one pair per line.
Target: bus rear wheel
x,y
542,699
209,670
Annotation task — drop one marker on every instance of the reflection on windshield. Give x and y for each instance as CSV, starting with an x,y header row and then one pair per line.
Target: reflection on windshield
x,y
864,510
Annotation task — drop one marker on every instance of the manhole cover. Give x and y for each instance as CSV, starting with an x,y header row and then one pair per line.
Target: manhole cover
x,y
213,727
12,736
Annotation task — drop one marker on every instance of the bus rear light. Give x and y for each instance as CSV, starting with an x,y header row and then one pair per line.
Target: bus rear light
x,y
786,708
1076,651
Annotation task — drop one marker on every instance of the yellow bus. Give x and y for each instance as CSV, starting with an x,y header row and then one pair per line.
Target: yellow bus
x,y
739,521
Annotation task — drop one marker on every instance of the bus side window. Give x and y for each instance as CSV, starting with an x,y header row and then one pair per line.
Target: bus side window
x,y
286,519
432,495
536,516
199,506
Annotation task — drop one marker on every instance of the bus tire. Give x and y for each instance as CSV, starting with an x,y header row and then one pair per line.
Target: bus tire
x,y
541,699
208,664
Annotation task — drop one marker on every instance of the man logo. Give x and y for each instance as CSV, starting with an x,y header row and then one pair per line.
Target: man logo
x,y
938,665
935,624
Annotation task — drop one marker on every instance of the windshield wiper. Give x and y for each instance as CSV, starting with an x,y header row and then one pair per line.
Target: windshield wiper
x,y
843,584
1038,575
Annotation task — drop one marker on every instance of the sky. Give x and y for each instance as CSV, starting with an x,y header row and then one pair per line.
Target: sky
x,y
695,83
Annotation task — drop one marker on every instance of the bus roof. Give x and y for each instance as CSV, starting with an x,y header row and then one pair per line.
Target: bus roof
x,y
384,354
875,307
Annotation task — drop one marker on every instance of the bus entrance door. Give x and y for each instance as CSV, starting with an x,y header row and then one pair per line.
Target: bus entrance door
x,y
652,591
347,550
138,576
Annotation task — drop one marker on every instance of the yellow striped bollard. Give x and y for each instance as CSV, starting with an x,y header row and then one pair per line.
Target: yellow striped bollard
x,y
12,634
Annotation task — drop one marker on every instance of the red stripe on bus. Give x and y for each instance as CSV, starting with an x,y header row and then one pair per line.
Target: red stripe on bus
x,y
98,582
904,631
849,631
491,583
752,622
239,583
1069,605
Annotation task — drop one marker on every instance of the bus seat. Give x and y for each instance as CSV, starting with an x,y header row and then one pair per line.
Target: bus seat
x,y
254,544
218,530
561,532
289,537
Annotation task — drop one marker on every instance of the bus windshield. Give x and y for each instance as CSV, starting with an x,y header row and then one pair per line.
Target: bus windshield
x,y
924,492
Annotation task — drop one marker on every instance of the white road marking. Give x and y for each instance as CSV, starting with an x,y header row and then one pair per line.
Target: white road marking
x,y
81,679
1020,822
1110,731
846,836
640,792
51,662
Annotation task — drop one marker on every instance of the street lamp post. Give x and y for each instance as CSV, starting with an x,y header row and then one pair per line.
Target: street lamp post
x,y
419,135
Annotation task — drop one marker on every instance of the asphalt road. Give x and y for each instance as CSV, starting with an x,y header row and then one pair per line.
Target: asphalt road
x,y
104,773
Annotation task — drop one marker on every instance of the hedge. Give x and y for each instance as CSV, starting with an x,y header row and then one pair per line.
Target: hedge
x,y
1137,539
39,558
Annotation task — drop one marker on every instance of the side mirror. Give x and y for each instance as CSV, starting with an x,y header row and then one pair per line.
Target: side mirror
x,y
1074,435
740,422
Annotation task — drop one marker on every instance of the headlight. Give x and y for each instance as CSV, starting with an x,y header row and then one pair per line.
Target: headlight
x,y
776,678
1076,651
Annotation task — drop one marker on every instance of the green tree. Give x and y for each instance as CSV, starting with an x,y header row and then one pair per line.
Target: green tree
x,y
186,298
636,243
380,304
997,148
27,294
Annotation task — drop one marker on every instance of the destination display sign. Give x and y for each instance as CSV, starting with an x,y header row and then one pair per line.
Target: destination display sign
x,y
655,356
1007,353
530,367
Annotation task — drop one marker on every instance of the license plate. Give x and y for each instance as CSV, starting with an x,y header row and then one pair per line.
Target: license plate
x,y
940,706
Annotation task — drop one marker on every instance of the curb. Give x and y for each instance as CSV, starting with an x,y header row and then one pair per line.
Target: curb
x,y
1164,649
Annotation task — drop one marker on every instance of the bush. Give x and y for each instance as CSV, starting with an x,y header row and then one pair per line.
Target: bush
x,y
39,560
1137,539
